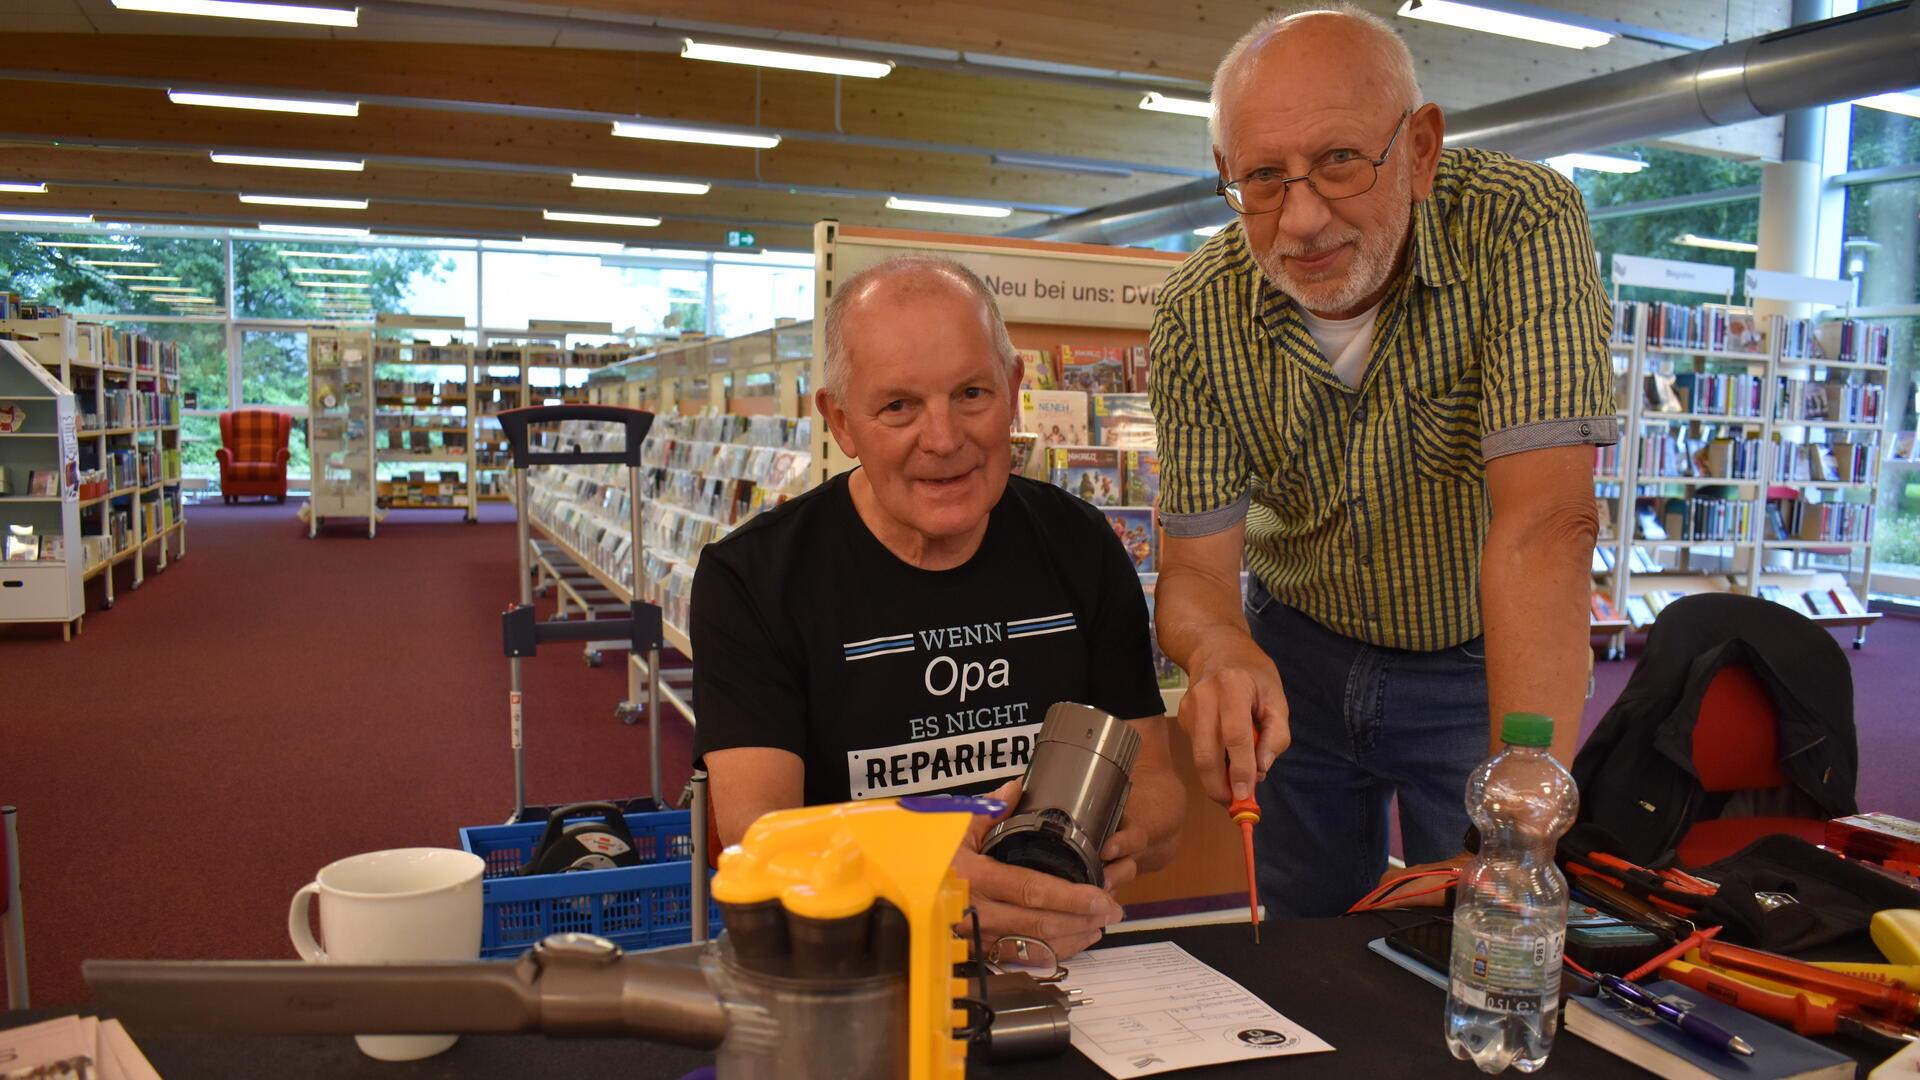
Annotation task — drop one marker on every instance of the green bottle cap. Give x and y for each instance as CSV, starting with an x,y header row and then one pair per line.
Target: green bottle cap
x,y
1526,729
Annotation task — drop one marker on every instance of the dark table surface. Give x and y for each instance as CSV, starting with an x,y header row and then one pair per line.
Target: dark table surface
x,y
1383,1022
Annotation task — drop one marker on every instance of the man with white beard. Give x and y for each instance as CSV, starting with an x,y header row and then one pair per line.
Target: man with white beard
x,y
1381,388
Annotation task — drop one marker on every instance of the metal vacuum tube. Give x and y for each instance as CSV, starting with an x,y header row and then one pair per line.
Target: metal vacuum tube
x,y
1074,792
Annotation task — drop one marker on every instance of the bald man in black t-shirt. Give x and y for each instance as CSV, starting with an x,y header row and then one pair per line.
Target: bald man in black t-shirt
x,y
903,628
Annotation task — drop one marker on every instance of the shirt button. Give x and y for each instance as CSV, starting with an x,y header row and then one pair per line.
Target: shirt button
x,y
1366,560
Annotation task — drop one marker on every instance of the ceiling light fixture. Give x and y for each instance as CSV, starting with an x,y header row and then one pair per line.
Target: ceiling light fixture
x,y
163,288
22,187
1906,104
300,269
332,286
1208,230
1690,240
240,9
1597,163
141,277
302,200
600,219
1155,101
117,262
635,183
1043,161
58,219
584,247
1491,20
264,104
86,244
182,300
316,230
296,253
634,129
332,164
928,206
791,61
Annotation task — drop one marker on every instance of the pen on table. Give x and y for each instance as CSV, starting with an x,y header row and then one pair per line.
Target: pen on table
x,y
1696,1028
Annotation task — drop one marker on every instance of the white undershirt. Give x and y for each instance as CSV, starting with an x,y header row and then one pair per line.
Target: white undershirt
x,y
1344,342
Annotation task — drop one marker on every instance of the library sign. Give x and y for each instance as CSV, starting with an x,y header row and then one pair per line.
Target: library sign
x,y
1067,291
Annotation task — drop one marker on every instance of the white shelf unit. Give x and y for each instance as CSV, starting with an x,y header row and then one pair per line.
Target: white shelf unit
x,y
340,429
126,389
41,557
529,370
1780,362
423,425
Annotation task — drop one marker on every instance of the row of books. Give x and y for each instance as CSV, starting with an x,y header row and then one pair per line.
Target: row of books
x,y
437,388
1724,458
15,306
1839,600
123,469
1850,341
1802,519
23,544
1711,327
143,353
1839,461
1106,477
552,355
1704,394
1850,403
1073,418
420,352
129,408
158,515
423,440
1639,560
1088,369
1698,518
416,489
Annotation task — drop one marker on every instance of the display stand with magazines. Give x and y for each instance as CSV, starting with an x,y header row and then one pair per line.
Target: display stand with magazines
x,y
40,552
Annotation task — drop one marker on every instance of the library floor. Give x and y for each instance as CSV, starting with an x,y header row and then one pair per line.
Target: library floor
x,y
271,703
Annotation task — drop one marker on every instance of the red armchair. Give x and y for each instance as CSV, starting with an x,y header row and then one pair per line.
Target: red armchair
x,y
253,455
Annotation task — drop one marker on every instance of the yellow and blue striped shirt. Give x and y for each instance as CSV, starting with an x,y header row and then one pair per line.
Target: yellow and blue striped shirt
x,y
1366,508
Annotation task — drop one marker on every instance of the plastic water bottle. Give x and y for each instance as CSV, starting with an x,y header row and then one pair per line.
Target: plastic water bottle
x,y
1510,923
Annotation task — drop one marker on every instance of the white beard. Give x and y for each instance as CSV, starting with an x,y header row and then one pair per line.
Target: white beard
x,y
1374,257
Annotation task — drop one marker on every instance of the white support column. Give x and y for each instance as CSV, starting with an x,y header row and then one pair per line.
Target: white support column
x,y
1790,191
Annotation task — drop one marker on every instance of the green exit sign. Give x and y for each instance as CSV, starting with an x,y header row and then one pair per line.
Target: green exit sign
x,y
740,239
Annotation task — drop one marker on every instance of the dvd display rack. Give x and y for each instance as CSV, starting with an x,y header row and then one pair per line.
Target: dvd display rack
x,y
1748,443
519,372
340,428
126,389
423,424
41,554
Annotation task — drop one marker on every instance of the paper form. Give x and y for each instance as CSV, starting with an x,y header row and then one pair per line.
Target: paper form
x,y
1154,1008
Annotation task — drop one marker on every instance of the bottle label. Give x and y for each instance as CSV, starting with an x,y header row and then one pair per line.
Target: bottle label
x,y
1505,972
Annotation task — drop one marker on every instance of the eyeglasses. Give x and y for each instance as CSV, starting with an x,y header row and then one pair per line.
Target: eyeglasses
x,y
1341,174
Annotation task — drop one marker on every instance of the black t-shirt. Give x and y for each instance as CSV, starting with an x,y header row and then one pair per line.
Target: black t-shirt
x,y
810,636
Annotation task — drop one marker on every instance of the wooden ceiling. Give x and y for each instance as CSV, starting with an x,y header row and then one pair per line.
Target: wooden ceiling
x,y
477,139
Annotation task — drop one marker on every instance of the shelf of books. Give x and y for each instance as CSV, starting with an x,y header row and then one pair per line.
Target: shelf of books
x,y
40,550
423,407
519,372
340,429
126,389
1750,444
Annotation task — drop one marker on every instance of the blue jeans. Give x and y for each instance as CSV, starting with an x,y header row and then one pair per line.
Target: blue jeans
x,y
1368,723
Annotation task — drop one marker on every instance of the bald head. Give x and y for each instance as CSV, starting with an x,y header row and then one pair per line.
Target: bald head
x,y
898,280
1334,45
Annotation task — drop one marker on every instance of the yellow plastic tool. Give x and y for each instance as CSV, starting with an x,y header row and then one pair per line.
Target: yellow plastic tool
x,y
1896,932
829,862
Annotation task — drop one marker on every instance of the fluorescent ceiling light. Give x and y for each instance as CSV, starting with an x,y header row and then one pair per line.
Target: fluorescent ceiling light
x,y
792,61
332,164
1155,101
188,300
634,129
302,200
239,9
265,104
316,230
1904,103
631,183
1690,240
296,253
585,247
88,244
927,206
21,187
164,288
767,258
63,219
142,277
334,284
329,270
116,262
1208,230
1505,23
600,219
1597,163
1043,161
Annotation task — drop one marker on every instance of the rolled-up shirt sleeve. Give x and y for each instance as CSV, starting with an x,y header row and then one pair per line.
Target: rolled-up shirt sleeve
x,y
1549,368
1203,467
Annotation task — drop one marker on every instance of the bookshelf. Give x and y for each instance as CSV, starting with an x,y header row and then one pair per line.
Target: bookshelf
x,y
340,429
40,550
528,370
126,389
1748,443
423,419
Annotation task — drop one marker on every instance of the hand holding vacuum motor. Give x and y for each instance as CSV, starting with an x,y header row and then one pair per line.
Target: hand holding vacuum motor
x,y
1028,903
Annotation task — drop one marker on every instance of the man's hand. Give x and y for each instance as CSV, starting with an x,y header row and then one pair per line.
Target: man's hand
x,y
1404,898
1015,900
1238,711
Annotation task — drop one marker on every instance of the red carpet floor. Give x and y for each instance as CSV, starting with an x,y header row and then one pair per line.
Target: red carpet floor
x,y
271,703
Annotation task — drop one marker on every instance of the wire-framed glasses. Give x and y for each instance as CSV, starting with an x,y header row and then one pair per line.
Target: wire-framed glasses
x,y
1341,174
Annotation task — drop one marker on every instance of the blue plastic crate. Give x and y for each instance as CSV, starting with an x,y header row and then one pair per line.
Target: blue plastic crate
x,y
635,907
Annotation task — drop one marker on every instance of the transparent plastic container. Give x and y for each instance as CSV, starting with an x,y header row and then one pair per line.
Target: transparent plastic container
x,y
1510,922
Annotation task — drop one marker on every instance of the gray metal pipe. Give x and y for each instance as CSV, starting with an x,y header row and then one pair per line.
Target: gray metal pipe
x,y
1869,52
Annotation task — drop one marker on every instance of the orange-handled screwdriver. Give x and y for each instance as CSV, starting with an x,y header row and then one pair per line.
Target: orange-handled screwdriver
x,y
1246,813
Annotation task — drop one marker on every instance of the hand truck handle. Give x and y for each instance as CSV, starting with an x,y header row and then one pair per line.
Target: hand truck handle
x,y
514,422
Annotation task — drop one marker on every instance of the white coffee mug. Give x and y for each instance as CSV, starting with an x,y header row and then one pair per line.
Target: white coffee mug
x,y
389,907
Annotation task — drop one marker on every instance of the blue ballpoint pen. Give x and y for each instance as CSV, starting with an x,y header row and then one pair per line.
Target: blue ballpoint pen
x,y
1700,1030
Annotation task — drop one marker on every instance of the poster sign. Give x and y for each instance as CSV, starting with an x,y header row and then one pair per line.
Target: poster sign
x,y
1672,274
1038,288
1798,288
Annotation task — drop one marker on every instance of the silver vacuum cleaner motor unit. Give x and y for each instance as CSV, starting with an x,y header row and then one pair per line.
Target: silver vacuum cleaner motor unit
x,y
1075,789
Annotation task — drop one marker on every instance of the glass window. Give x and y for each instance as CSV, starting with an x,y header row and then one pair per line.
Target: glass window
x,y
1670,174
636,300
286,280
748,298
125,274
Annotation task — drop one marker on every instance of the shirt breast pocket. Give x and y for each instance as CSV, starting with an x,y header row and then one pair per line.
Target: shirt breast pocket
x,y
1446,430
